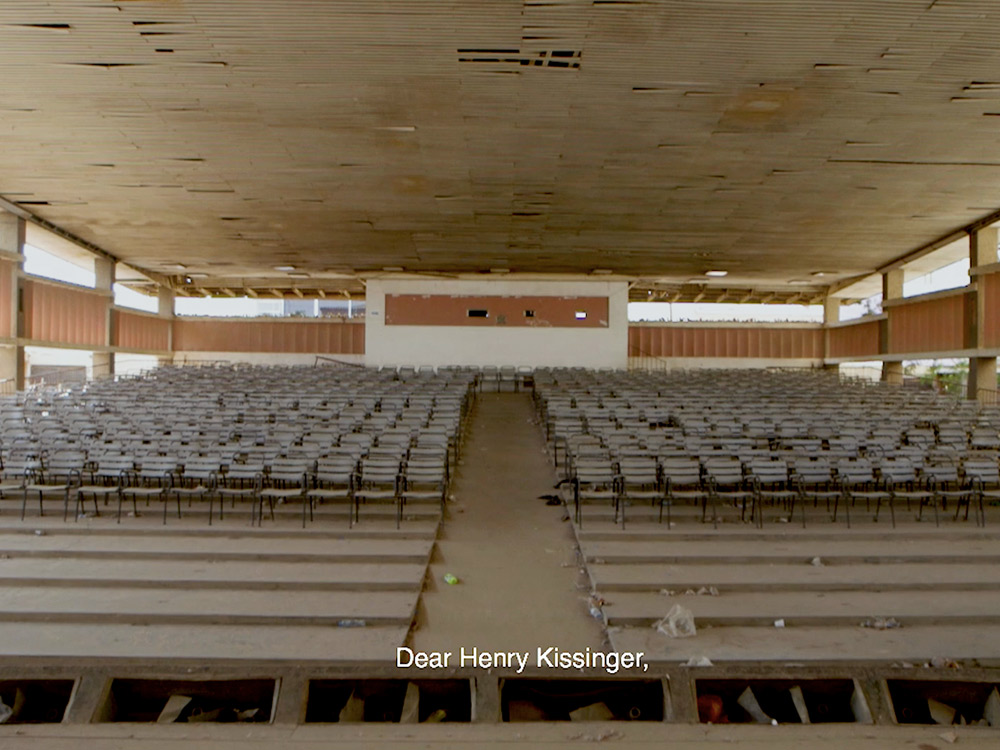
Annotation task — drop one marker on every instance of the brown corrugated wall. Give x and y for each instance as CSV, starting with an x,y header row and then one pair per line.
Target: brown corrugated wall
x,y
298,337
749,342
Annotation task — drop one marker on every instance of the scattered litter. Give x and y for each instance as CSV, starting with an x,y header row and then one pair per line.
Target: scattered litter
x,y
436,718
940,712
698,661
780,623
950,737
881,623
172,711
707,591
991,713
593,712
817,562
679,623
667,592
711,710
351,623
602,736
940,662
450,579
799,701
5,712
689,592
39,532
749,702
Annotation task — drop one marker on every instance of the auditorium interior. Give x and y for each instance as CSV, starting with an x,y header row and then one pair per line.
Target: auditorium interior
x,y
531,372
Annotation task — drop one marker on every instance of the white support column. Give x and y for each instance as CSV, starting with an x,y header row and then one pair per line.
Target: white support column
x,y
982,370
892,288
104,273
12,366
166,311
831,315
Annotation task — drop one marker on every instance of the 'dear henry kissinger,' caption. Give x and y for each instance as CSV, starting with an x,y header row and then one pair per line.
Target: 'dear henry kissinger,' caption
x,y
550,657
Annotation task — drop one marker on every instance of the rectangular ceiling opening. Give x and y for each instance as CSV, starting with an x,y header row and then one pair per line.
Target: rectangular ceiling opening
x,y
34,701
581,700
394,701
170,701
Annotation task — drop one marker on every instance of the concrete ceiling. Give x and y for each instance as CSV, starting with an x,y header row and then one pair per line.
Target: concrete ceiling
x,y
772,139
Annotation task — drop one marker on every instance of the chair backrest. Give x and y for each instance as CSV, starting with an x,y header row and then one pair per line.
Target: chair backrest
x,y
941,473
243,472
201,467
856,471
985,471
769,471
64,462
113,465
594,471
898,470
681,470
724,470
156,467
335,470
375,471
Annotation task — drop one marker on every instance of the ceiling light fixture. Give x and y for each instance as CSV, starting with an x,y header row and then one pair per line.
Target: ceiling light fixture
x,y
602,271
499,270
392,269
716,273
284,268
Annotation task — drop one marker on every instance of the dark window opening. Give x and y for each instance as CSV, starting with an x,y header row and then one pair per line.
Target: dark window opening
x,y
529,313
581,700
417,701
479,313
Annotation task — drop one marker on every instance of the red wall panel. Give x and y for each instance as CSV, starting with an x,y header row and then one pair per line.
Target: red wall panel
x,y
144,332
266,336
453,310
725,341
933,325
989,286
64,315
857,340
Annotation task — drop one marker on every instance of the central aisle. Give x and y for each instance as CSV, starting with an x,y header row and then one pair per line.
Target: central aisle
x,y
519,578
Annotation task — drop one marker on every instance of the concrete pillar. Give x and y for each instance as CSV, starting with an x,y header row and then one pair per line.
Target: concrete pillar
x,y
831,315
982,370
12,366
104,361
166,311
892,288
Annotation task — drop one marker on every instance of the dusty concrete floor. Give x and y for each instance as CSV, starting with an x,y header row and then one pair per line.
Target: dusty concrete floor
x,y
513,555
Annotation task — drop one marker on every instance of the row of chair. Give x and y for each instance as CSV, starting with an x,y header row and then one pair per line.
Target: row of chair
x,y
416,476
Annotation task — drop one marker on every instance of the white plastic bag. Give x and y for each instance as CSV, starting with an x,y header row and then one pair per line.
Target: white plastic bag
x,y
679,623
